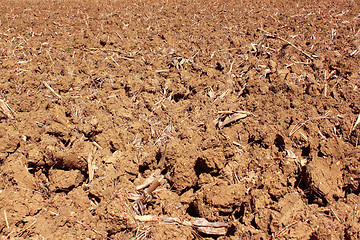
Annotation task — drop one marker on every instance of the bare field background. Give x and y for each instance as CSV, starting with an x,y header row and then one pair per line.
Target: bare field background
x,y
179,120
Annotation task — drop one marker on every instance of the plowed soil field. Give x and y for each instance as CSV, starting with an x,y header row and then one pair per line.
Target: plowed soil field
x,y
179,119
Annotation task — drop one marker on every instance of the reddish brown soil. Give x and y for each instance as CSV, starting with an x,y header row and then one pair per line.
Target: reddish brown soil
x,y
132,78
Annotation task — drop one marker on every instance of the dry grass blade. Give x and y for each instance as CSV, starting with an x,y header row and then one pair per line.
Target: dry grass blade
x,y
6,110
356,123
231,116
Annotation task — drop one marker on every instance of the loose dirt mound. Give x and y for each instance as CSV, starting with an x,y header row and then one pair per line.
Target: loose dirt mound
x,y
243,112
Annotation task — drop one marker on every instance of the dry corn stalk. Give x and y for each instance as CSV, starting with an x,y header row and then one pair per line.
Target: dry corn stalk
x,y
149,180
356,123
200,224
6,110
228,117
91,163
51,89
152,182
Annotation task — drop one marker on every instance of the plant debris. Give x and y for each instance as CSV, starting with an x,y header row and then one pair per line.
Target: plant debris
x,y
228,117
